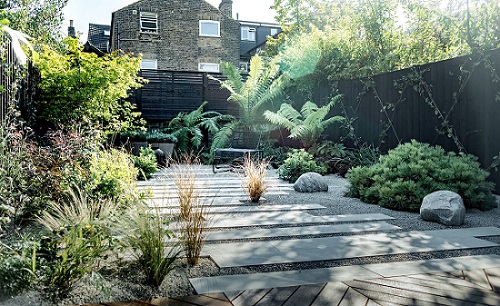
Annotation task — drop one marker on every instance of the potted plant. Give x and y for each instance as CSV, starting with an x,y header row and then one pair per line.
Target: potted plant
x,y
163,141
136,139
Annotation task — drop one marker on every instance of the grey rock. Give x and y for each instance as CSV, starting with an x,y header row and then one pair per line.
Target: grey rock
x,y
445,207
311,182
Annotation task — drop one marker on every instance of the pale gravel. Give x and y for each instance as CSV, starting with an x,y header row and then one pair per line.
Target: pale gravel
x,y
124,284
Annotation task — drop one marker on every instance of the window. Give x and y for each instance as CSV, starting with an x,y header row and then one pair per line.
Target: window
x,y
106,33
209,28
149,64
149,22
244,66
274,32
248,33
208,67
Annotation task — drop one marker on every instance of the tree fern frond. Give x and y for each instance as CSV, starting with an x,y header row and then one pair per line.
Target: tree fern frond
x,y
221,139
278,120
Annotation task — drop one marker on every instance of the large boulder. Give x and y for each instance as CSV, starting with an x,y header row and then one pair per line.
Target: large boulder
x,y
445,207
310,182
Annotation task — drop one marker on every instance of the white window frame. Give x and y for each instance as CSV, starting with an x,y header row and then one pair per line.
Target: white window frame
x,y
149,18
149,64
106,33
248,33
274,32
244,66
202,22
208,67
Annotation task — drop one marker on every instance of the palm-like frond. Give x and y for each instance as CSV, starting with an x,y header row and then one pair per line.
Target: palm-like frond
x,y
221,139
306,125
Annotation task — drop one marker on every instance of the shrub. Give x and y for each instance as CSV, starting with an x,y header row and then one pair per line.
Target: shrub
x,y
255,174
149,237
17,265
112,175
336,158
145,163
79,233
404,176
298,163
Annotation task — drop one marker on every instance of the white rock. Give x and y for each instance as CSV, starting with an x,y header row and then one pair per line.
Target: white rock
x,y
310,182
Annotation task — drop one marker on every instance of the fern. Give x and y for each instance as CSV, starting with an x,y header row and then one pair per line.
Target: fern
x,y
306,125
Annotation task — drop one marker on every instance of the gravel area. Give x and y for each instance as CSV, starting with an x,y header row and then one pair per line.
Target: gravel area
x,y
124,283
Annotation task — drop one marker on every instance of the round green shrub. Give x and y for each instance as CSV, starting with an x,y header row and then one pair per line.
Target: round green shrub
x,y
298,163
406,174
145,163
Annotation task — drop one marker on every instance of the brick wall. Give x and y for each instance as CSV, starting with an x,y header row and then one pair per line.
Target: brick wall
x,y
177,45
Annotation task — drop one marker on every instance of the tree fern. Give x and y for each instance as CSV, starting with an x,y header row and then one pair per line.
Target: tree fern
x,y
306,125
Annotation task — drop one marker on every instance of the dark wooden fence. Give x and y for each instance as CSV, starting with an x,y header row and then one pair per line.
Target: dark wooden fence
x,y
169,92
453,103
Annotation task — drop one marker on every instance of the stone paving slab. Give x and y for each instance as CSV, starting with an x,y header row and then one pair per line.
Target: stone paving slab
x,y
278,279
289,218
232,283
331,248
300,231
248,209
172,194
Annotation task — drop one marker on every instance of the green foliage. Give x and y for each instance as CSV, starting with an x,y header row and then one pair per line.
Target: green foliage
x,y
306,126
148,236
41,20
81,87
336,158
404,176
79,233
17,265
157,136
263,83
112,175
145,163
298,163
189,128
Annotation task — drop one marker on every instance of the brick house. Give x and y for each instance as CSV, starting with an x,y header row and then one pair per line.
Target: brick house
x,y
177,35
186,35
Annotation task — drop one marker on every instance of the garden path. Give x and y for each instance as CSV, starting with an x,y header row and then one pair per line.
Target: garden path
x,y
268,235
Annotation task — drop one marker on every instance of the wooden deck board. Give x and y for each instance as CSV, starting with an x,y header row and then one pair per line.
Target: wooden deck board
x,y
277,296
332,294
305,295
353,297
250,297
494,278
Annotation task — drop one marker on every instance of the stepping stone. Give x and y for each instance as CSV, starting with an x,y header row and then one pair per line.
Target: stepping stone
x,y
257,281
240,282
290,218
332,248
250,208
300,231
217,193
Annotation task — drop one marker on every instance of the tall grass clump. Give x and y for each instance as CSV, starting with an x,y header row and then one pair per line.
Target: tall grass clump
x,y
79,232
193,214
149,238
255,174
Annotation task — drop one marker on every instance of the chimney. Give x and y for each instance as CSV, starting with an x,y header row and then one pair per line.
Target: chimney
x,y
226,7
71,30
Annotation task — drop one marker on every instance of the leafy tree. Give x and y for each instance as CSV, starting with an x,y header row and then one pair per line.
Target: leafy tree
x,y
39,19
306,125
188,128
78,87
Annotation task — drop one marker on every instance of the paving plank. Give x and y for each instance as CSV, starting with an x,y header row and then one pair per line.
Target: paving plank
x,y
229,283
352,297
290,218
249,208
444,289
467,232
277,296
213,299
250,297
301,231
477,277
436,265
305,295
241,254
494,278
332,294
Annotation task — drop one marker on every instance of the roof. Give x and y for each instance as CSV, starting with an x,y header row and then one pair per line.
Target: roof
x,y
99,35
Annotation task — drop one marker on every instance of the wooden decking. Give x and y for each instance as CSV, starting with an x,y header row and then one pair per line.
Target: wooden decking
x,y
474,287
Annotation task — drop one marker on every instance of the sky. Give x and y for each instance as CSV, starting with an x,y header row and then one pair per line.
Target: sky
x,y
83,12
